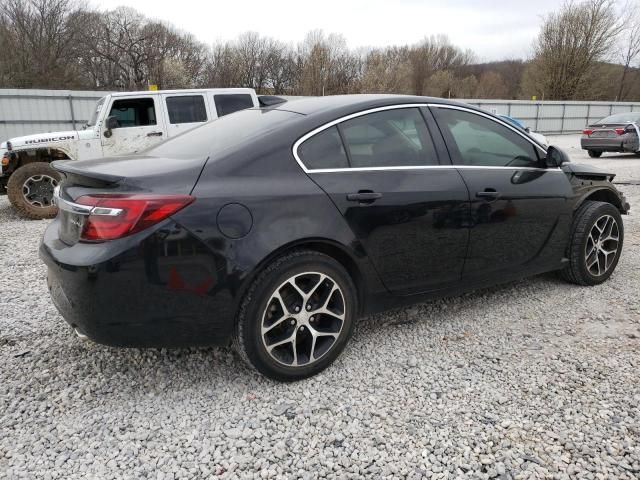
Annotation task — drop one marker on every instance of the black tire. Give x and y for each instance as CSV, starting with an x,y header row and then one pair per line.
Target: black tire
x,y
248,338
594,153
585,219
41,206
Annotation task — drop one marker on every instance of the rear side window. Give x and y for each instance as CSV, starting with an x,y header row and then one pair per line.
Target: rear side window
x,y
323,150
391,138
481,141
134,112
186,109
226,104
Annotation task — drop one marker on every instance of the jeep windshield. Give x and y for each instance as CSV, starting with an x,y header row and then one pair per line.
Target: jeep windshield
x,y
96,113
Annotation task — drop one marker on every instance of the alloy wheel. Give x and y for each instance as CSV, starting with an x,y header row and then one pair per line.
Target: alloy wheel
x,y
602,245
303,319
38,190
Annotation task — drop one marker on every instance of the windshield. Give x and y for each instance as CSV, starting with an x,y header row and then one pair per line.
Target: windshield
x,y
96,112
214,138
627,117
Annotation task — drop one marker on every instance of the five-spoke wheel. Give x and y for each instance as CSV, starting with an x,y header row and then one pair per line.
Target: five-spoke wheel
x,y
602,245
303,318
297,316
595,243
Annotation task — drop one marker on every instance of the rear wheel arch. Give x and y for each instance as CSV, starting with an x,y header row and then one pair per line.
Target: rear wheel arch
x,y
327,247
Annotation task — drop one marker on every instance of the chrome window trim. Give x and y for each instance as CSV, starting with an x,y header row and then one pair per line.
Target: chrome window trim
x,y
79,209
332,123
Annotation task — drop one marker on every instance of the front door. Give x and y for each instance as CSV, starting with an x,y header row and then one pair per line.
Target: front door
x,y
519,208
138,126
382,172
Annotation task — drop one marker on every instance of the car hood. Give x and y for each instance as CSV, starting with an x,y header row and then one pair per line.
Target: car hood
x,y
40,139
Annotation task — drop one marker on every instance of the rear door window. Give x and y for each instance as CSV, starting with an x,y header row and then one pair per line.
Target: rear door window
x,y
134,112
323,150
229,103
391,138
186,109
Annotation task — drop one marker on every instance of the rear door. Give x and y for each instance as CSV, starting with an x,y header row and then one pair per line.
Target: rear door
x,y
381,170
520,210
139,125
184,111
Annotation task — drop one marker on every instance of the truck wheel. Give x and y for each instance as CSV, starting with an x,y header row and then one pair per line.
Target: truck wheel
x,y
30,190
594,153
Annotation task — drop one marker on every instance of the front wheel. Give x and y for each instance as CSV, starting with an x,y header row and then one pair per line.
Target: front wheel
x,y
297,316
595,244
30,190
594,153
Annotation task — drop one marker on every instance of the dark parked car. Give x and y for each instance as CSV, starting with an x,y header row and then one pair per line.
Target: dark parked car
x,y
277,227
616,133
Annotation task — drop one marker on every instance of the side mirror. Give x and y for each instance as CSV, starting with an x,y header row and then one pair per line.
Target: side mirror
x,y
527,129
556,157
110,123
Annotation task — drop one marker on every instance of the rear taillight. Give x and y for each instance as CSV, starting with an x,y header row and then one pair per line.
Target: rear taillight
x,y
587,131
620,131
117,215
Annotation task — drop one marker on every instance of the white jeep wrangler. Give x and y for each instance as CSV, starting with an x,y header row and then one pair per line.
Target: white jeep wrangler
x,y
122,123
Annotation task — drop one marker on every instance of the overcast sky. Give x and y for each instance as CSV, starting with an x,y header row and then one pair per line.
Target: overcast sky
x,y
494,29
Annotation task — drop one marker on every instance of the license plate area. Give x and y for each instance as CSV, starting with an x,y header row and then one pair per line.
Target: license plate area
x,y
71,225
604,134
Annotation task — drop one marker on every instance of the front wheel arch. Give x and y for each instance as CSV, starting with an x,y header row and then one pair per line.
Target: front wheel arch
x,y
605,195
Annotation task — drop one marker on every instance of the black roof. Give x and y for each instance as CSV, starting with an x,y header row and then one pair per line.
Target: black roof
x,y
335,103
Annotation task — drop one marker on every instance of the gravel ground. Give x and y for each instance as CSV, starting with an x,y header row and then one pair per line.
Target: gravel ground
x,y
536,379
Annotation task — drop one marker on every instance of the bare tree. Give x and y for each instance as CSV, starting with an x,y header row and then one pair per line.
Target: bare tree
x,y
491,85
432,55
40,40
571,43
630,48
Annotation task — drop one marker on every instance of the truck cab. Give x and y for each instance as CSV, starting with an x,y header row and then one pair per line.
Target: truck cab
x,y
122,123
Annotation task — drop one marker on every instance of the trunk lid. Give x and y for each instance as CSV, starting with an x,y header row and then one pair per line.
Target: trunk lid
x,y
118,175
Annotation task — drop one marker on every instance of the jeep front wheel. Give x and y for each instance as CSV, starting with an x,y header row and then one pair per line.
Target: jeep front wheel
x,y
30,190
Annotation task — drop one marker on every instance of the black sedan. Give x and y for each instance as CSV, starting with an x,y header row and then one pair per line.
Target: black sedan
x,y
277,227
615,133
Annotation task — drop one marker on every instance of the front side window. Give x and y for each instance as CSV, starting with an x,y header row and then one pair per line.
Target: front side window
x,y
390,138
186,109
229,103
480,141
323,150
134,112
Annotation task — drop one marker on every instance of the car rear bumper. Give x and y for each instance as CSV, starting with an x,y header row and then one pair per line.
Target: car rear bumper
x,y
160,291
617,144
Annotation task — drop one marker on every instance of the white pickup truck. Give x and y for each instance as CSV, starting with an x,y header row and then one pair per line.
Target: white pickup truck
x,y
122,123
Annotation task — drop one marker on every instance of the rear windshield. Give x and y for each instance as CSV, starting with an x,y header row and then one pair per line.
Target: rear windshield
x,y
627,117
217,136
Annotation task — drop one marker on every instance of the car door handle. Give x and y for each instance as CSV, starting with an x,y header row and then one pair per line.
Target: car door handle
x,y
154,134
364,197
488,193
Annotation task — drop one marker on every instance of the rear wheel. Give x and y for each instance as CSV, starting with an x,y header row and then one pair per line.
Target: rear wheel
x,y
595,245
297,316
594,153
30,190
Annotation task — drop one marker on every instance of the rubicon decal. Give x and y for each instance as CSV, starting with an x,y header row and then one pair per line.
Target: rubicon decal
x,y
49,139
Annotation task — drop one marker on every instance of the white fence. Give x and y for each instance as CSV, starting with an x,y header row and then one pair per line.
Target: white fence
x,y
23,112
555,117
